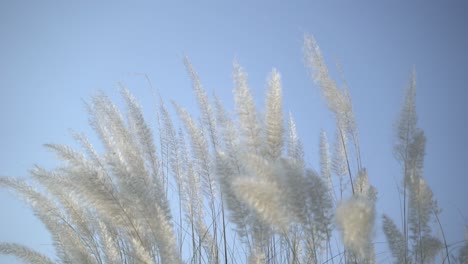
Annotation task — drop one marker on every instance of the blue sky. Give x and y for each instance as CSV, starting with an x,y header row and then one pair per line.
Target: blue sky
x,y
55,54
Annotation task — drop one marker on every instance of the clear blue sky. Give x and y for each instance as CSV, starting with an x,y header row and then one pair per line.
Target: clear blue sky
x,y
54,54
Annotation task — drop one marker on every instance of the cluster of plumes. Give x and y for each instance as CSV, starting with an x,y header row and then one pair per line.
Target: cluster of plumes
x,y
415,244
103,208
240,180
355,215
268,192
112,206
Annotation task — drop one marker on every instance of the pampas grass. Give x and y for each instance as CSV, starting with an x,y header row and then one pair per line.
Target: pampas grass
x,y
242,190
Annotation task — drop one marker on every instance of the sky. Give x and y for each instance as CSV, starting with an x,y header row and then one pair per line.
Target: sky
x,y
55,54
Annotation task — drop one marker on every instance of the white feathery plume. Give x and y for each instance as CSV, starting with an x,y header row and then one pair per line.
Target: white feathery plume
x,y
294,189
191,192
320,206
176,166
338,101
227,174
192,185
339,165
274,116
173,143
74,249
406,125
124,155
295,148
66,240
204,104
427,248
91,153
363,187
309,200
92,184
78,216
414,161
230,136
141,132
405,129
144,137
245,106
265,198
138,251
420,207
199,149
259,188
325,163
24,253
355,220
108,239
396,240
